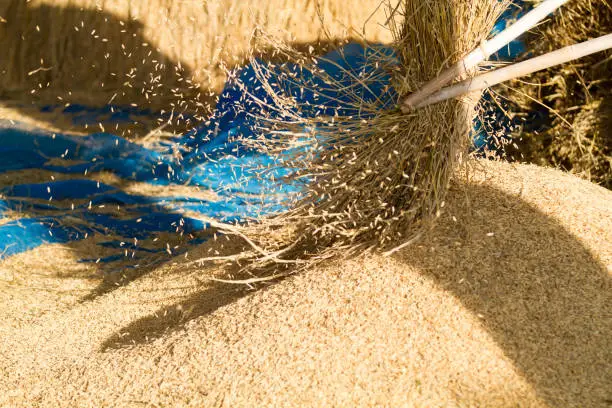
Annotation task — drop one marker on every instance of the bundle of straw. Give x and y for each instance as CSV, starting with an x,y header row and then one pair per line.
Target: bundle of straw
x,y
378,177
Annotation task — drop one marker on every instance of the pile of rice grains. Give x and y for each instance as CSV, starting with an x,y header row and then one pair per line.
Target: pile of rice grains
x,y
563,115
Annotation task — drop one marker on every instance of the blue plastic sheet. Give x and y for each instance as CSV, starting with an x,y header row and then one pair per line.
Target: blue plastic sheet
x,y
247,182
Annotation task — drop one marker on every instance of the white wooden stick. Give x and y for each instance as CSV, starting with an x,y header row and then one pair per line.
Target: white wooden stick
x,y
491,78
480,54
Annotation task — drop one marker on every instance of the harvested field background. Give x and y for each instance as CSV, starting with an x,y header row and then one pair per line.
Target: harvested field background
x,y
157,54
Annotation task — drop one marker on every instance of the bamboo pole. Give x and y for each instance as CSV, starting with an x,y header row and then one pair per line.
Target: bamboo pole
x,y
530,66
483,52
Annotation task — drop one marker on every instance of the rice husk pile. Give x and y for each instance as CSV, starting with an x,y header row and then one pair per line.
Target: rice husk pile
x,y
575,135
378,178
505,304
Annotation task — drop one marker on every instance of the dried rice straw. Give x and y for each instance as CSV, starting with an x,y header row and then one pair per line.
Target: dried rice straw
x,y
379,178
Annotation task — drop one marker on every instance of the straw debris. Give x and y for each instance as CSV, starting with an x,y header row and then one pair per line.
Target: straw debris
x,y
574,132
376,178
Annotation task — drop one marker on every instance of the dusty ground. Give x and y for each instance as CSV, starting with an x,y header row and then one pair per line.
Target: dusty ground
x,y
506,303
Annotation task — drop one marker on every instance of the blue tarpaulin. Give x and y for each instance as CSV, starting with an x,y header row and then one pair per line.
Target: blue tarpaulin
x,y
246,183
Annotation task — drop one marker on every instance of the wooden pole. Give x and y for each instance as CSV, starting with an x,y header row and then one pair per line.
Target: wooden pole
x,y
483,52
545,61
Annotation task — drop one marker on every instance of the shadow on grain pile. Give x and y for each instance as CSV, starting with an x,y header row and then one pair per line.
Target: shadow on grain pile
x,y
540,292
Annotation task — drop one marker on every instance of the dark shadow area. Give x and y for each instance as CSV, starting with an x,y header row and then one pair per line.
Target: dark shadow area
x,y
174,318
542,295
115,276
